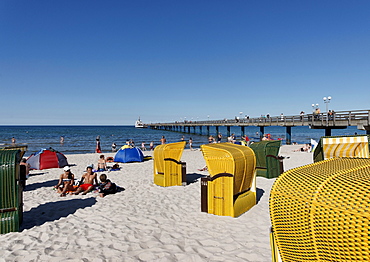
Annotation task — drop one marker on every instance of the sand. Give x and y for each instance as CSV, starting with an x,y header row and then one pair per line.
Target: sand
x,y
144,222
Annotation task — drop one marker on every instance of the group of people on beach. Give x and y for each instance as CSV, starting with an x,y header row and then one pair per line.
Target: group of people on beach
x,y
87,183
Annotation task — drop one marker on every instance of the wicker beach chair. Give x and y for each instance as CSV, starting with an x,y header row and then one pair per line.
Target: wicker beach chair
x,y
269,164
342,146
321,212
11,201
230,189
168,170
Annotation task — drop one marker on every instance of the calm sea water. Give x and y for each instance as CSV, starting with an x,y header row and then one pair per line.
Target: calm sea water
x,y
82,139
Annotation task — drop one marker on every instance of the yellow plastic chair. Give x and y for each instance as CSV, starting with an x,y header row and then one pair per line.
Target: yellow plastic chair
x,y
168,170
321,212
230,189
342,146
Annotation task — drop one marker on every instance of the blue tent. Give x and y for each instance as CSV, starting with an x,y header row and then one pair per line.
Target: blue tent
x,y
127,155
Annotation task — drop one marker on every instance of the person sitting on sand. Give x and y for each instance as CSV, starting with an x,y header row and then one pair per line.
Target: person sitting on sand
x,y
102,166
305,148
66,181
203,169
88,181
106,187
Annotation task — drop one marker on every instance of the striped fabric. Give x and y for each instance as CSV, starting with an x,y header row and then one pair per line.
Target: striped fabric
x,y
356,146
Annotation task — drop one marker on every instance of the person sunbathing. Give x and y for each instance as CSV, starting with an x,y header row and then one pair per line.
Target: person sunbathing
x,y
101,164
66,181
88,181
106,187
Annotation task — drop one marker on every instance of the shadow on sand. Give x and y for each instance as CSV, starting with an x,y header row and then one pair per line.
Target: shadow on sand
x,y
53,211
259,194
34,186
193,178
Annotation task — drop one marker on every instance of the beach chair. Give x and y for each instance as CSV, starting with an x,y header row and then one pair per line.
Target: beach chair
x,y
230,188
341,146
321,212
269,164
11,200
168,170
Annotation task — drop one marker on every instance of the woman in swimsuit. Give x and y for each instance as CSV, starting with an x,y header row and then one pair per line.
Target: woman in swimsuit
x,y
66,182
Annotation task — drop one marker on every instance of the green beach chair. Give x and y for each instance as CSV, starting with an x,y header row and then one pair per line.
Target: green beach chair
x,y
269,164
11,200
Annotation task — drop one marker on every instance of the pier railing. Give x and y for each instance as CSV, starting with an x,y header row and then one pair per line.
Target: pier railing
x,y
340,119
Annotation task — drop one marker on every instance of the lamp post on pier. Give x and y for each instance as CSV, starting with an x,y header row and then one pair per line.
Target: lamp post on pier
x,y
327,101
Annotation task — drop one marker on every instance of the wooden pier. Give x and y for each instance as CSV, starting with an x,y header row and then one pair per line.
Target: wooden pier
x,y
337,120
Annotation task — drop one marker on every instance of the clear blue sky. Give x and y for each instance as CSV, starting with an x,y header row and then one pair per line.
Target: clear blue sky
x,y
109,62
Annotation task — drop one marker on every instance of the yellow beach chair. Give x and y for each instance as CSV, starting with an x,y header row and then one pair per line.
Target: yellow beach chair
x,y
230,189
321,212
168,170
342,146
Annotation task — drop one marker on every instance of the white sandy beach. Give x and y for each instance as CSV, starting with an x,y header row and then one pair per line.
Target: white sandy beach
x,y
145,222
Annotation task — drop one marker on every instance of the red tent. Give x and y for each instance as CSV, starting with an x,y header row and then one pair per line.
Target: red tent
x,y
47,158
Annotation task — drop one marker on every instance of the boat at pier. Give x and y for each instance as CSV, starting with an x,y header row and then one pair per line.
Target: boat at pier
x,y
139,124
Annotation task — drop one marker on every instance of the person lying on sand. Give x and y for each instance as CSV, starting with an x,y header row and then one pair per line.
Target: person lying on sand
x,y
305,148
106,187
203,169
88,181
66,181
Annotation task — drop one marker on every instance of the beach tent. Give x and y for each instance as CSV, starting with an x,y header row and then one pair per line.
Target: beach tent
x,y
47,158
127,155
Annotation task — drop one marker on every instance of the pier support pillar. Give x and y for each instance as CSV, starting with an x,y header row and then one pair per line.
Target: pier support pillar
x,y
200,130
327,131
207,130
288,135
216,130
189,129
262,131
228,131
242,131
193,129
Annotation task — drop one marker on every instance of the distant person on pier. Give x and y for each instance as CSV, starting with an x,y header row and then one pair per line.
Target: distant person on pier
x,y
301,115
163,140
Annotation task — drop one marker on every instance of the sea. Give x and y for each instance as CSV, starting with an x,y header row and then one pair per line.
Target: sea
x,y
82,139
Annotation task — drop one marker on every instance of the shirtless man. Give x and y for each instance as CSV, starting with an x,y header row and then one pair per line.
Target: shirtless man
x,y
88,181
163,140
102,163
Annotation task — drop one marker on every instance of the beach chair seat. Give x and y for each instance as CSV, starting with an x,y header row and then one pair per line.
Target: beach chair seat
x,y
342,146
269,164
321,212
168,169
230,188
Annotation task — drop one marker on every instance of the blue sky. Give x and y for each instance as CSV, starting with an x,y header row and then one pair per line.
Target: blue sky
x,y
109,62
